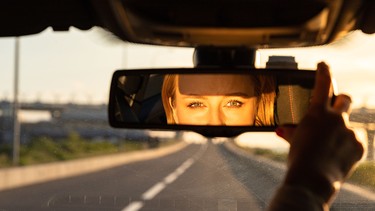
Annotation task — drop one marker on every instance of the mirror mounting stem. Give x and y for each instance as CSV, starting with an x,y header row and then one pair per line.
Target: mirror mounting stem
x,y
211,56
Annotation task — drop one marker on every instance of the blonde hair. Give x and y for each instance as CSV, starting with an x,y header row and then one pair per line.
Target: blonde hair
x,y
167,95
266,101
265,90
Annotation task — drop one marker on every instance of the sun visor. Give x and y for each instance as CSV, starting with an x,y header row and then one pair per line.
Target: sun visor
x,y
214,84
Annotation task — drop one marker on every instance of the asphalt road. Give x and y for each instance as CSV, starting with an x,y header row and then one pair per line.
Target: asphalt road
x,y
199,177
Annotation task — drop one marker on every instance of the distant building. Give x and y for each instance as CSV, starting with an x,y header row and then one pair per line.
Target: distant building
x,y
89,121
6,122
363,115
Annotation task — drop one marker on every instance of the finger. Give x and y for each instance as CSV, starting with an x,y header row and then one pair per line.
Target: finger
x,y
322,88
342,104
286,132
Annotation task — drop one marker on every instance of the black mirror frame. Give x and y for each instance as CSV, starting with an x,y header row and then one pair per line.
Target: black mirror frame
x,y
303,78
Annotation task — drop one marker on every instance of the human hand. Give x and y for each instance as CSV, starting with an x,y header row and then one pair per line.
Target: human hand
x,y
323,150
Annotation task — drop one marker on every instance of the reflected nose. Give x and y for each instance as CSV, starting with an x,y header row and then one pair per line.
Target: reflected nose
x,y
215,117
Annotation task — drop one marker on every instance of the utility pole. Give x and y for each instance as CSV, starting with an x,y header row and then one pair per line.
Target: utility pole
x,y
16,123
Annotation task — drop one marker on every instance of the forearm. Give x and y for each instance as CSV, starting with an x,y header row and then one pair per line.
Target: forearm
x,y
296,198
304,189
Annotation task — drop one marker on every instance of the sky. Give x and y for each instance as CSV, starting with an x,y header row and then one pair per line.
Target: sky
x,y
77,66
351,60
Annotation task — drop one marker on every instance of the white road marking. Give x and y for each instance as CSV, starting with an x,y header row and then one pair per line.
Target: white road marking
x,y
134,206
152,192
158,187
180,170
171,178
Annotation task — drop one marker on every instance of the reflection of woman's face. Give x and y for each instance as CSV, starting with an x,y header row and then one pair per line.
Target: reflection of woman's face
x,y
203,103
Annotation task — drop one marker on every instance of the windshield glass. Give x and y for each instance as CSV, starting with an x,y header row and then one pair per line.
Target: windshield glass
x,y
70,159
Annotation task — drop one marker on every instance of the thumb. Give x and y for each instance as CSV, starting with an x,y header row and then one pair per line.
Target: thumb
x,y
286,131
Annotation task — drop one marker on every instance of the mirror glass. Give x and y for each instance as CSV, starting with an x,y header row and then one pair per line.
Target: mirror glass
x,y
239,97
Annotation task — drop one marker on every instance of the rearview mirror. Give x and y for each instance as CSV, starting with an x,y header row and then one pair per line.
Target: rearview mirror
x,y
210,101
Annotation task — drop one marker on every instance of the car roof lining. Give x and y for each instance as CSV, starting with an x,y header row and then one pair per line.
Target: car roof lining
x,y
24,17
225,13
19,18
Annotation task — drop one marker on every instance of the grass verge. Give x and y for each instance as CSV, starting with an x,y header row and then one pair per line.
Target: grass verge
x,y
44,149
363,175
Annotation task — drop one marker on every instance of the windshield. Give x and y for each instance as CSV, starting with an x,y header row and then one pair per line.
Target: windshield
x,y
70,159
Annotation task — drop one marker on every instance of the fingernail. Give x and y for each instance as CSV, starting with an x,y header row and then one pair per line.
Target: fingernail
x,y
323,68
348,98
346,102
279,132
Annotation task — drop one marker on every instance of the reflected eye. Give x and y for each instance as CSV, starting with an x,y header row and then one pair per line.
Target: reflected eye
x,y
196,105
234,104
